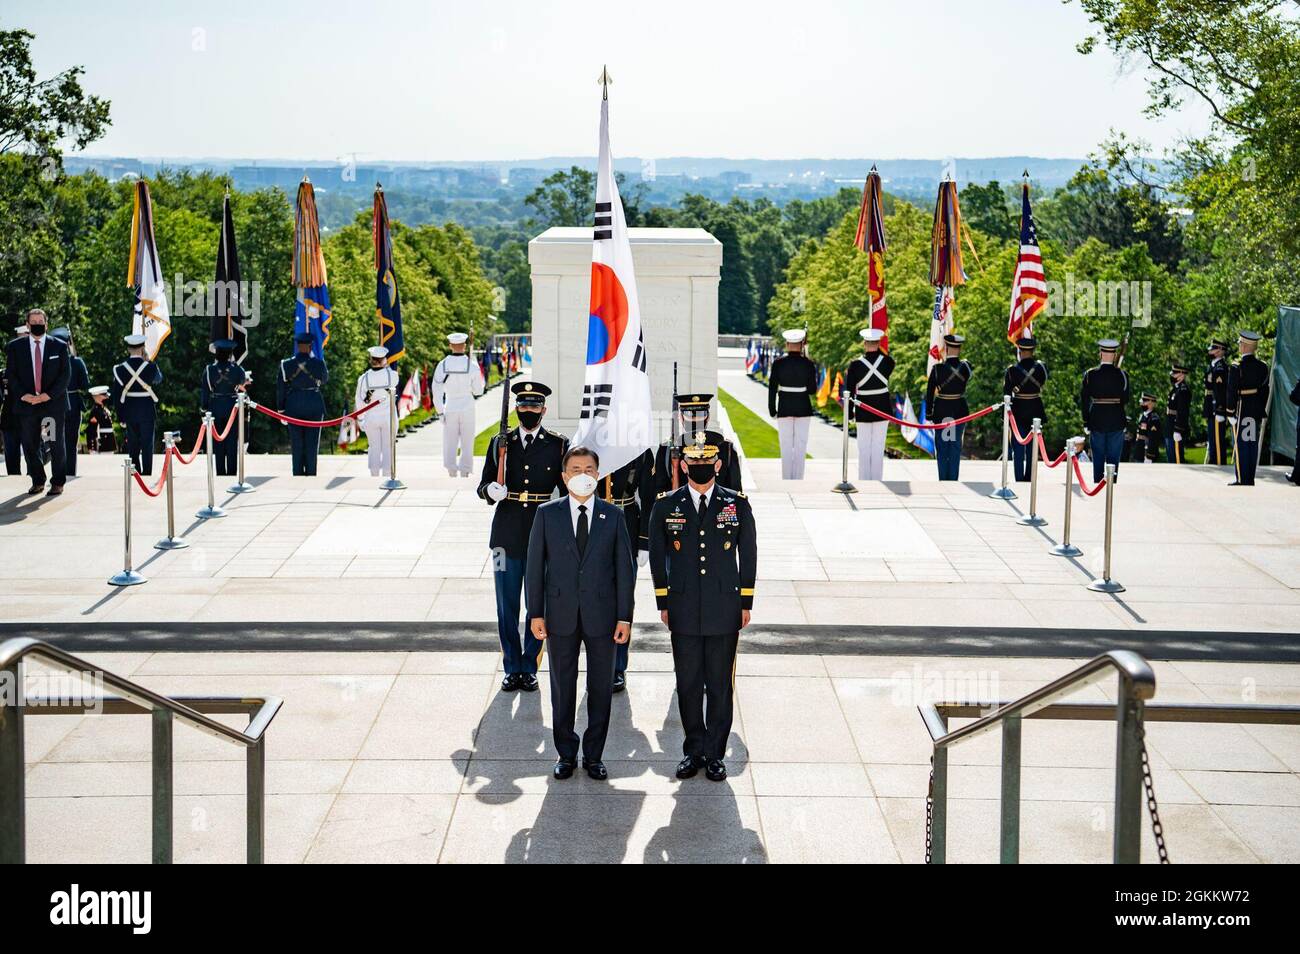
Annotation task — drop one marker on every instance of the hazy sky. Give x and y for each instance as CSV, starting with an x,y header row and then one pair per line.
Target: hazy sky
x,y
410,80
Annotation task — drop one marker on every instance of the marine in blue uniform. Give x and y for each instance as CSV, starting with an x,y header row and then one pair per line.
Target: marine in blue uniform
x,y
704,559
945,400
133,398
1248,397
1103,397
1215,404
532,475
219,389
1177,415
1024,381
78,383
631,489
299,392
693,416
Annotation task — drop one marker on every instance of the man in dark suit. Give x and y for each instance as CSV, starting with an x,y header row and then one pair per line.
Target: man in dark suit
x,y
579,583
37,371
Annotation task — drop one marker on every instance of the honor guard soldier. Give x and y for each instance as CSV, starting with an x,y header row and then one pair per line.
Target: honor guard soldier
x,y
631,489
1102,399
1024,381
136,402
1248,397
704,559
945,400
78,382
868,382
1177,415
99,427
1215,405
791,386
219,389
693,416
521,471
457,381
1149,429
377,422
299,392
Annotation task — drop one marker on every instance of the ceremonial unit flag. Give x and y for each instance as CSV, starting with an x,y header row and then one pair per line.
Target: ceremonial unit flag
x,y
388,302
870,238
945,238
615,420
916,436
151,317
1029,286
823,387
312,312
940,325
409,399
229,310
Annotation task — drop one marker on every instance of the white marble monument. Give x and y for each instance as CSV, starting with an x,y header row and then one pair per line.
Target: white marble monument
x,y
677,273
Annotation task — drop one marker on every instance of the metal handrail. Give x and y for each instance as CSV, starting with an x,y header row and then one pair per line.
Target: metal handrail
x,y
134,699
1137,684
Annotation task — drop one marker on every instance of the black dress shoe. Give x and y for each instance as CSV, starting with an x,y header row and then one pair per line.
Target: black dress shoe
x,y
716,770
510,683
596,769
527,682
690,766
1234,483
55,490
35,488
620,681
564,769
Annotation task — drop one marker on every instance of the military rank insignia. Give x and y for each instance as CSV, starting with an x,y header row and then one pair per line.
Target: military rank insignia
x,y
727,516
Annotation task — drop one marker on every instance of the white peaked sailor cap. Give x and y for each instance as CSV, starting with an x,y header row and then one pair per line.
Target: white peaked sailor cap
x,y
794,335
134,341
378,351
457,337
871,334
99,389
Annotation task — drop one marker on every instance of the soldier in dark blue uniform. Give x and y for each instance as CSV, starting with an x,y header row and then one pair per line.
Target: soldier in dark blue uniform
x,y
133,397
1178,413
1103,397
533,458
693,414
945,400
1248,397
704,559
630,488
1146,445
1215,404
1024,381
219,388
298,393
78,383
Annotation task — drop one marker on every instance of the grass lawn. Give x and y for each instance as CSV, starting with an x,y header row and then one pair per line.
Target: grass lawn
x,y
485,436
757,437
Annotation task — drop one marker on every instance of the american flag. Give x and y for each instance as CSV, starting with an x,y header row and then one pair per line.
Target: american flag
x,y
1028,287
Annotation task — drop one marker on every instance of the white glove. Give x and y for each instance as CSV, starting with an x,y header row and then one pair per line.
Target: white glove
x,y
1232,420
496,491
642,557
1178,438
1219,417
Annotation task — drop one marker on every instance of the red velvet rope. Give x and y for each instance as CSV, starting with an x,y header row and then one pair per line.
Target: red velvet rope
x,y
1042,454
301,423
1078,473
929,427
162,478
1016,431
194,451
230,422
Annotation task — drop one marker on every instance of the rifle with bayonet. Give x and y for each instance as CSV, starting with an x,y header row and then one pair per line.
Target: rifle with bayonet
x,y
674,451
503,432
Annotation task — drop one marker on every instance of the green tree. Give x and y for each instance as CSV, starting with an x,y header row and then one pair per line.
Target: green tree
x,y
37,116
564,198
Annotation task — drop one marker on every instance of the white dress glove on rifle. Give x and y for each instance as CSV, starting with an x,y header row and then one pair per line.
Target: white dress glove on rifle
x,y
1220,418
496,491
1178,438
642,557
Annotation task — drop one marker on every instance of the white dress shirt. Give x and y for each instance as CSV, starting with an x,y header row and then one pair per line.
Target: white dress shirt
x,y
574,504
696,495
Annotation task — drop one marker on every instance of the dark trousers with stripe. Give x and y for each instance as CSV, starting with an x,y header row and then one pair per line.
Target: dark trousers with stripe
x,y
1021,458
705,667
1216,440
947,450
1245,450
564,691
1107,447
518,655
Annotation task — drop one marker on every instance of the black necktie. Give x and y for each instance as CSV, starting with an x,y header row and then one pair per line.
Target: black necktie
x,y
704,506
582,529
528,441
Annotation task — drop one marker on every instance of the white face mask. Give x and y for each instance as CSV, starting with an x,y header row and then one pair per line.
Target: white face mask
x,y
582,485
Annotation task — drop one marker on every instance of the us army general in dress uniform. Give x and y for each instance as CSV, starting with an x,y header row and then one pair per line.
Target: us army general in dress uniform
x,y
533,456
373,385
868,381
457,381
1103,397
1024,381
631,489
300,393
1178,413
791,386
219,389
136,402
704,559
1248,397
945,400
693,416
1214,406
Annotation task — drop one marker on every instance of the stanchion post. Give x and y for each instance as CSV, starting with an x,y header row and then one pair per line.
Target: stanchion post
x,y
171,541
1106,584
241,487
128,576
844,487
1065,548
211,511
392,483
1004,492
1033,519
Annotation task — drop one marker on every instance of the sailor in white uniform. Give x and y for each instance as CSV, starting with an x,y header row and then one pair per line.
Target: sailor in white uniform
x,y
868,381
373,385
457,381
